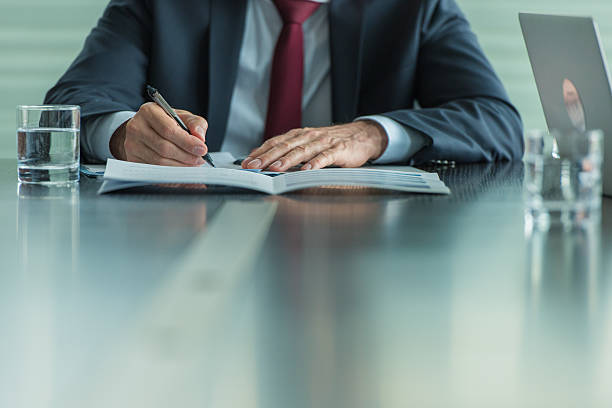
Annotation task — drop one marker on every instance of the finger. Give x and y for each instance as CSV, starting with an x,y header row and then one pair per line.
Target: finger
x,y
273,156
167,128
268,145
306,146
299,154
147,155
164,148
325,158
197,125
138,159
250,161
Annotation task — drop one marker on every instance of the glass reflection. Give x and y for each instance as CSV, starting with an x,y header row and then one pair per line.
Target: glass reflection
x,y
48,226
567,308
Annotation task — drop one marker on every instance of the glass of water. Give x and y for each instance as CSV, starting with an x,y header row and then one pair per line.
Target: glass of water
x,y
48,144
563,177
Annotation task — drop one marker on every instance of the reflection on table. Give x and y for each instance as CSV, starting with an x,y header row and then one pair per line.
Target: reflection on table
x,y
567,316
343,298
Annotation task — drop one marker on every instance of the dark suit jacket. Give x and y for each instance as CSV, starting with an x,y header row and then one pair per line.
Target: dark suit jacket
x,y
386,56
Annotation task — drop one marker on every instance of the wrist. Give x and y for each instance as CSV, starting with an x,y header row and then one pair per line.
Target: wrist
x,y
378,135
117,142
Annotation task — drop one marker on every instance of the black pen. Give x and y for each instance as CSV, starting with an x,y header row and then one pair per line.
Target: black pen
x,y
158,99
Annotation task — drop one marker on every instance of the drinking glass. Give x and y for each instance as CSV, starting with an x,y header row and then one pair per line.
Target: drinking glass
x,y
48,144
563,176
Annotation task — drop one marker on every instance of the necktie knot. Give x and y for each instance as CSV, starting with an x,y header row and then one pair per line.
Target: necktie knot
x,y
296,11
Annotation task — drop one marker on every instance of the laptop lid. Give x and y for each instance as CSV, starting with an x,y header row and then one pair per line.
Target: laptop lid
x,y
572,76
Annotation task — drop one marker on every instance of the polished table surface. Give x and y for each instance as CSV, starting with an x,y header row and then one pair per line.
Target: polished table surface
x,y
326,298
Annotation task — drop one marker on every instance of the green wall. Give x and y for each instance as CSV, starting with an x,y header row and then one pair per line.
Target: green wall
x,y
39,39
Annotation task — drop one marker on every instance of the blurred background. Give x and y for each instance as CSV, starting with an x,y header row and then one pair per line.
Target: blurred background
x,y
40,38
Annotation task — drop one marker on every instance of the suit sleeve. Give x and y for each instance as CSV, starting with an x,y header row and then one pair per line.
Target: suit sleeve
x,y
465,112
109,73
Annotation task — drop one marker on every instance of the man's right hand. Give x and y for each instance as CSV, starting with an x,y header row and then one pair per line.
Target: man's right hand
x,y
153,137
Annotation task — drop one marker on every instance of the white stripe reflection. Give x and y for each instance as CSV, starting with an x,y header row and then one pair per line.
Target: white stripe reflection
x,y
170,357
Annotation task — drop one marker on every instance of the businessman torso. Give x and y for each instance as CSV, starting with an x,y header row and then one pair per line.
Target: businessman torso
x,y
195,49
384,56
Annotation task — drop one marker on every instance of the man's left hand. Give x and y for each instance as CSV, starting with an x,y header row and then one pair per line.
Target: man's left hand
x,y
349,145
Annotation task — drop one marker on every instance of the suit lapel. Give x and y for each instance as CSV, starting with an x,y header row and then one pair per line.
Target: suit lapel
x,y
346,39
226,31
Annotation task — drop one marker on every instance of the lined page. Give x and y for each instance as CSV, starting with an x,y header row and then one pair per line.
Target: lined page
x,y
386,179
148,173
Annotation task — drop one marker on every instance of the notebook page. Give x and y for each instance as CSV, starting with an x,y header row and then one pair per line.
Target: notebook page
x,y
224,160
404,169
152,174
386,179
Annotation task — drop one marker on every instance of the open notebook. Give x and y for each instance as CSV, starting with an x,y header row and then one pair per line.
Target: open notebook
x,y
120,175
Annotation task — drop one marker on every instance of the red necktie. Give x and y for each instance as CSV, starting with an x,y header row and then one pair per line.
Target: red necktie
x,y
285,102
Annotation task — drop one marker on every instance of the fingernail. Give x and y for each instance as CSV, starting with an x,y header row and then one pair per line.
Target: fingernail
x,y
307,166
199,150
247,160
200,131
255,164
200,161
277,163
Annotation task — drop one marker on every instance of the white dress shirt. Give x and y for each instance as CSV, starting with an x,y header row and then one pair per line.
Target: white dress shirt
x,y
248,109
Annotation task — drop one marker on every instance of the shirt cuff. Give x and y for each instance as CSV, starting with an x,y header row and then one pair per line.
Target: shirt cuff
x,y
402,143
100,130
